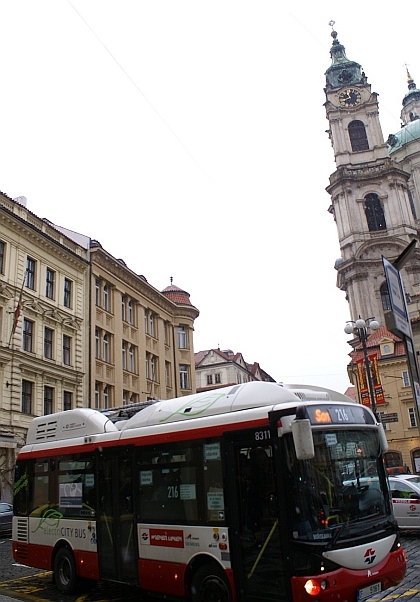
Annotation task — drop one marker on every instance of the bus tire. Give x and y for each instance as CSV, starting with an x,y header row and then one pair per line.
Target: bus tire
x,y
65,575
210,584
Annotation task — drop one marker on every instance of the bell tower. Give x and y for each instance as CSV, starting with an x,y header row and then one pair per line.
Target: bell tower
x,y
369,194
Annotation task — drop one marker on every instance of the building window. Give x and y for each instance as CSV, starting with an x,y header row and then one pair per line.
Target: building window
x,y
97,396
30,273
67,292
166,331
374,211
182,337
405,378
105,342
97,344
27,397
66,350
393,459
106,398
167,374
28,328
124,355
217,378
131,356
48,400
123,308
358,137
146,321
183,377
147,364
152,324
49,284
97,293
127,312
412,416
153,363
106,297
67,400
385,298
412,206
48,343
1,257
209,379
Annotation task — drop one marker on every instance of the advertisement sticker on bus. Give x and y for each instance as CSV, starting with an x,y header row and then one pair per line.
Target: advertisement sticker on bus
x,y
169,538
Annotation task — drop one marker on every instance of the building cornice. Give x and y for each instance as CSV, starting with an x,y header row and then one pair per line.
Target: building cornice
x,y
41,234
139,284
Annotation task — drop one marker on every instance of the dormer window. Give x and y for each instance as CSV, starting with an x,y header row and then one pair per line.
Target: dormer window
x,y
387,346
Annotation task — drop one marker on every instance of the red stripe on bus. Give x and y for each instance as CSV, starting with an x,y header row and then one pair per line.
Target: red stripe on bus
x,y
141,440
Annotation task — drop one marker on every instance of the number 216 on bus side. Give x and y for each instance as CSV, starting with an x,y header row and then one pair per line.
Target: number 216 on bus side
x,y
258,491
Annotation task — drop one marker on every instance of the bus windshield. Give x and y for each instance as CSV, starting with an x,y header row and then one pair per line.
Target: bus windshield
x,y
344,485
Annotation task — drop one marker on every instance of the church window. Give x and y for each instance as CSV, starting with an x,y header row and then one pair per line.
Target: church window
x,y
385,298
374,213
358,137
412,206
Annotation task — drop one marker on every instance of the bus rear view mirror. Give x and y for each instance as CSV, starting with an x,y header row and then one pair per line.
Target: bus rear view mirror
x,y
302,439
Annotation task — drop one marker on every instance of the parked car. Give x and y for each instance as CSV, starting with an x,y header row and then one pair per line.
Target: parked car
x,y
405,501
6,517
413,478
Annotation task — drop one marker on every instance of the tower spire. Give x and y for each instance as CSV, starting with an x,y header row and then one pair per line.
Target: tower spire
x,y
342,71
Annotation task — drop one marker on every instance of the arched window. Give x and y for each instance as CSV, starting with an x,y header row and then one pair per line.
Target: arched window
x,y
358,137
393,459
412,206
386,301
375,215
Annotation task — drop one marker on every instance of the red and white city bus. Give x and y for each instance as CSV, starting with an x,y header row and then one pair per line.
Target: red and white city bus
x,y
257,491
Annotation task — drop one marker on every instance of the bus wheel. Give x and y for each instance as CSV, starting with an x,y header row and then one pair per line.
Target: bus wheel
x,y
65,571
209,584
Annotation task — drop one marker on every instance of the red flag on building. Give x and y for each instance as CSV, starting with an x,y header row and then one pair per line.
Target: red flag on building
x,y
377,385
363,386
16,313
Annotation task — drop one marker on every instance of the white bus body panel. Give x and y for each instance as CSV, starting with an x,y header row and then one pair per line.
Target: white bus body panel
x,y
366,556
158,542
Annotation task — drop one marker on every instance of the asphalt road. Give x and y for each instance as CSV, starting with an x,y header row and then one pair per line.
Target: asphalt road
x,y
19,582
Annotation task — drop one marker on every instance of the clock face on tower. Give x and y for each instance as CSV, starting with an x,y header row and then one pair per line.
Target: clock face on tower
x,y
349,97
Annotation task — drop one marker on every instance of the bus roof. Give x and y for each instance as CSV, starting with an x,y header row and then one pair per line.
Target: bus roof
x,y
83,422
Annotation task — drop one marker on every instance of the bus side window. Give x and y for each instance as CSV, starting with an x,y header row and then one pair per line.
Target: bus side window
x,y
213,483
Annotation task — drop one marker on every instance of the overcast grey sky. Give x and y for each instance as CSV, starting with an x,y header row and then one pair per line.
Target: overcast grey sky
x,y
188,137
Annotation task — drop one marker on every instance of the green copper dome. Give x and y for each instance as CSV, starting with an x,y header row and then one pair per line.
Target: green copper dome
x,y
410,117
342,72
408,134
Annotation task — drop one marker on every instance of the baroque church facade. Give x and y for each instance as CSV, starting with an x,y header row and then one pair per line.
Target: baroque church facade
x,y
375,202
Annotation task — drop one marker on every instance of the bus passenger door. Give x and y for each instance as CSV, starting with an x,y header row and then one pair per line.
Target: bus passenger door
x,y
117,534
255,540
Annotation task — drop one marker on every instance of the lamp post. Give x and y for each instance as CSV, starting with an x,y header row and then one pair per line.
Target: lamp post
x,y
361,329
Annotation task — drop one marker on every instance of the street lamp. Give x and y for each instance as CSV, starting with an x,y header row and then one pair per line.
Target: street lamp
x,y
361,329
